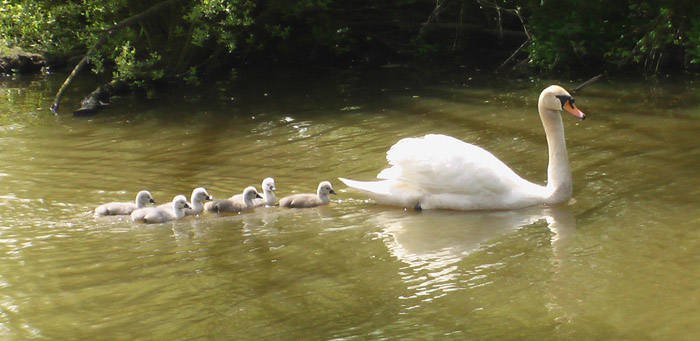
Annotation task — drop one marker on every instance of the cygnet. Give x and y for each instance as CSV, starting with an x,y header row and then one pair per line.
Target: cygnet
x,y
306,200
268,199
197,199
125,208
159,214
231,205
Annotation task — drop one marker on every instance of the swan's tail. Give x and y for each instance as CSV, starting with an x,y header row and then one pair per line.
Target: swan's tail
x,y
380,187
387,192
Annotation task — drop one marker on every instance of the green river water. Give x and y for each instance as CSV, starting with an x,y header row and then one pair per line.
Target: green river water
x,y
620,261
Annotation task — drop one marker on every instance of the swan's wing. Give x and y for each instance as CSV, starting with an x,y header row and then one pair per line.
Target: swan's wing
x,y
443,164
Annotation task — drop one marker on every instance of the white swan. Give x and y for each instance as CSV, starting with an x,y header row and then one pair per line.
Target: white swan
x,y
236,206
125,208
309,200
268,199
151,215
441,172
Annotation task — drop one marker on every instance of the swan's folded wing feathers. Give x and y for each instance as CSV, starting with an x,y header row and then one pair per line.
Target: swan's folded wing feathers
x,y
444,164
390,173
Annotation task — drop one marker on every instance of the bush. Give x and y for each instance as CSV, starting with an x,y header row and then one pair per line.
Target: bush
x,y
196,37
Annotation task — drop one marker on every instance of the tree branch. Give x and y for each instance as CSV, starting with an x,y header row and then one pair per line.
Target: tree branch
x,y
515,11
525,44
108,32
587,83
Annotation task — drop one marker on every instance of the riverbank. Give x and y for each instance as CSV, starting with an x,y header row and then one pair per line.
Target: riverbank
x,y
15,60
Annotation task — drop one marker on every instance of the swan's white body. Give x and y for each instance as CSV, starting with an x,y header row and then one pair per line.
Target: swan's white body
x,y
441,172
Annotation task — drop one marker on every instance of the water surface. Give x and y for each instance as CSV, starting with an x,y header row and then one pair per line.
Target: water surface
x,y
621,261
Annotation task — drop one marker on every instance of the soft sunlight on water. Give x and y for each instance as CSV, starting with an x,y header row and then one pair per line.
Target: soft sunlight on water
x,y
621,261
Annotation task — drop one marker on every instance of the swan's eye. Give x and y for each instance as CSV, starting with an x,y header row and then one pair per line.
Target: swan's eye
x,y
564,98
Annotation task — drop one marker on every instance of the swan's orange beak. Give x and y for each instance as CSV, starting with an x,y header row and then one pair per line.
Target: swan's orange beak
x,y
573,110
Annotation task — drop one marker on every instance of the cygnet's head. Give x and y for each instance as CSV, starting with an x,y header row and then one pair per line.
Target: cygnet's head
x,y
324,188
250,193
180,202
143,198
200,194
268,185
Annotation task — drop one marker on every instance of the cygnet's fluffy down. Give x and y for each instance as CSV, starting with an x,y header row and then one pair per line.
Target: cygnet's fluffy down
x,y
152,215
197,199
232,205
309,200
268,199
125,208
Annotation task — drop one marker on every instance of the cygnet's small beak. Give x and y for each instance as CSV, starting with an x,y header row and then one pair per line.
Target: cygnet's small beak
x,y
331,191
257,196
152,201
187,206
209,197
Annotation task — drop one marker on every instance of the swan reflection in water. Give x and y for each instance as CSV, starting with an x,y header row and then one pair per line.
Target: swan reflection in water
x,y
431,243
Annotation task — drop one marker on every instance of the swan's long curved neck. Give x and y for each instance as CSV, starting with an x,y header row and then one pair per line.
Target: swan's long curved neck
x,y
559,183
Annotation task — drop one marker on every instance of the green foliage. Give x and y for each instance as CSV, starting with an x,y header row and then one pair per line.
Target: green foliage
x,y
693,42
648,34
32,25
125,60
191,77
182,37
568,31
196,37
218,21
